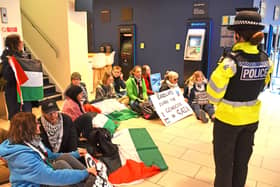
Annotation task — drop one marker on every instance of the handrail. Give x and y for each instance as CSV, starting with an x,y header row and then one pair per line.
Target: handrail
x,y
42,34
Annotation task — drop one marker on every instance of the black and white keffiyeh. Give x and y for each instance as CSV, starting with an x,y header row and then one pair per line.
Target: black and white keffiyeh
x,y
54,132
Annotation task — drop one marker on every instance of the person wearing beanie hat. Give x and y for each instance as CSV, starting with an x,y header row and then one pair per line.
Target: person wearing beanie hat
x,y
234,87
72,105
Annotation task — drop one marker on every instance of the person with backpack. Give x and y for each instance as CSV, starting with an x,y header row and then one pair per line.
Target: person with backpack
x,y
234,87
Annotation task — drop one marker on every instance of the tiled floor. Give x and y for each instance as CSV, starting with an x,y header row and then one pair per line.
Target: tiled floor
x,y
187,149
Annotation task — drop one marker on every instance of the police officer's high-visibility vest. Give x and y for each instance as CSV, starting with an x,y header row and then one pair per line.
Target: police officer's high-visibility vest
x,y
236,84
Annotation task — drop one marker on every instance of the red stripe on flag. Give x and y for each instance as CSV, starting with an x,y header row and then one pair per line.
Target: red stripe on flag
x,y
132,171
20,75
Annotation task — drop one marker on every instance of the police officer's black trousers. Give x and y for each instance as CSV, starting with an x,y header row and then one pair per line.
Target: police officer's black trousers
x,y
233,146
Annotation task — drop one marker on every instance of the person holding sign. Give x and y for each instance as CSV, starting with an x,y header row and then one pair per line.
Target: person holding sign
x,y
32,164
136,89
195,94
235,91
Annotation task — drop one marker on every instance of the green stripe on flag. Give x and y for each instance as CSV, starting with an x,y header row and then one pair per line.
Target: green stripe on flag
x,y
146,148
31,93
111,126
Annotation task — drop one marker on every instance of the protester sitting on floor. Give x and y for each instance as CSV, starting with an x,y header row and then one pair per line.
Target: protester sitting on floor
x,y
76,81
31,164
170,81
195,93
4,170
105,89
118,81
136,89
57,129
72,105
146,72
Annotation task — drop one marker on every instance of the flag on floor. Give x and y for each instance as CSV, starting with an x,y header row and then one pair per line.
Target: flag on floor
x,y
32,90
102,121
139,155
122,115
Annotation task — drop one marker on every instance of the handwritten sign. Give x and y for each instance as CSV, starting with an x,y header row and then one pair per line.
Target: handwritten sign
x,y
171,106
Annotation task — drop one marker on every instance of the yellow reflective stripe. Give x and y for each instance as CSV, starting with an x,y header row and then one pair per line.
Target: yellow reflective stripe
x,y
213,86
239,104
267,79
237,116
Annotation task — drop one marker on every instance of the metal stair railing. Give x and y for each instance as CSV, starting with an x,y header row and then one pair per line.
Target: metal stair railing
x,y
42,34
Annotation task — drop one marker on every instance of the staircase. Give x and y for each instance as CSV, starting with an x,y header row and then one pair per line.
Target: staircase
x,y
50,90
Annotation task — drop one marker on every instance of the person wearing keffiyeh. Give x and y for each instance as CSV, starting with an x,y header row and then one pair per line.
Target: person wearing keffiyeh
x,y
57,129
32,164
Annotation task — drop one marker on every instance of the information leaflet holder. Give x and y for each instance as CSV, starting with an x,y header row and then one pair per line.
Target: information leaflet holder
x,y
197,46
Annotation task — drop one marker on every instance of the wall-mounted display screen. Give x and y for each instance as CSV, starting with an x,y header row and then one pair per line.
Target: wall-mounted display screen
x,y
194,41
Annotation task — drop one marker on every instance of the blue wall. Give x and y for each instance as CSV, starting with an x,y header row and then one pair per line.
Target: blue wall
x,y
160,24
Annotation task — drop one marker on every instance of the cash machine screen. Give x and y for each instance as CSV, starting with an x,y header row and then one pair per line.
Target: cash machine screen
x,y
194,44
194,41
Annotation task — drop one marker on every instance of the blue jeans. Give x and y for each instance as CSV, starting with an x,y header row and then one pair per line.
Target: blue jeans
x,y
208,108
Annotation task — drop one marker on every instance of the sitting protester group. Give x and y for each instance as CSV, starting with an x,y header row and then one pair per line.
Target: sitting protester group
x,y
45,152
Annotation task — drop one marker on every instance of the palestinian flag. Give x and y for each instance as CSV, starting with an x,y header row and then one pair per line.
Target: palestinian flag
x,y
102,121
32,89
20,75
139,155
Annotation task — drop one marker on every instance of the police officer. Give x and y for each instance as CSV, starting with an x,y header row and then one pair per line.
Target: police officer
x,y
234,87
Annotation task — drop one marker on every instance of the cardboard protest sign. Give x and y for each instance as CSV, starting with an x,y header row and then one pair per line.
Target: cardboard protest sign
x,y
171,106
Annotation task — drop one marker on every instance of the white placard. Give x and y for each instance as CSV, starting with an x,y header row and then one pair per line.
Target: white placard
x,y
171,106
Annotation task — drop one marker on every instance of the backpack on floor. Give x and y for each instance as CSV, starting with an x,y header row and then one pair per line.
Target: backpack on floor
x,y
100,140
149,111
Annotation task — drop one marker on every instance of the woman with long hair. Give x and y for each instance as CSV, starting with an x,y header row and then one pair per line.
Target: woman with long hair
x,y
105,89
136,89
13,47
72,105
32,164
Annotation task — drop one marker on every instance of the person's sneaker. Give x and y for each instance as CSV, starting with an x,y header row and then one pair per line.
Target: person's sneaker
x,y
203,117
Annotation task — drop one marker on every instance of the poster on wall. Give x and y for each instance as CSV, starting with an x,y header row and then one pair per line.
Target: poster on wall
x,y
200,9
276,12
262,8
171,106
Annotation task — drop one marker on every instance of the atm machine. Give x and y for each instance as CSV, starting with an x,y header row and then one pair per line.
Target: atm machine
x,y
126,48
197,46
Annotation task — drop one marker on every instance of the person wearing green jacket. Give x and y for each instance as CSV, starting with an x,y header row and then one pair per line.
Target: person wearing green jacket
x,y
136,89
